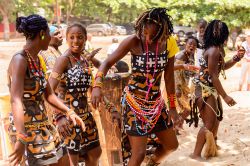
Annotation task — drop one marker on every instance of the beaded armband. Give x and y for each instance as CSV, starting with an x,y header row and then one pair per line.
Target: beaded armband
x,y
98,84
70,112
23,138
236,58
171,101
55,75
99,74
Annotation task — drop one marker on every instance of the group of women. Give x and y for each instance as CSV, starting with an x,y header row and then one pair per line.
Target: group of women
x,y
74,134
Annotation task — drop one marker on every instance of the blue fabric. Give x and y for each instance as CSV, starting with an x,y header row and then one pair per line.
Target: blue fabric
x,y
52,29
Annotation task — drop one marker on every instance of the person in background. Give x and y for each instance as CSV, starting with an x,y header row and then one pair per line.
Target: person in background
x,y
52,53
88,46
184,72
202,24
113,46
245,65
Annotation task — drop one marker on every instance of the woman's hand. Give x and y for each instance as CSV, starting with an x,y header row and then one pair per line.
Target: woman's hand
x,y
240,51
229,100
90,55
176,118
16,157
77,120
63,127
96,97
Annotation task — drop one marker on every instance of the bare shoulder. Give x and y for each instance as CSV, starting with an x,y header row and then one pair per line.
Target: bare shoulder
x,y
180,55
212,51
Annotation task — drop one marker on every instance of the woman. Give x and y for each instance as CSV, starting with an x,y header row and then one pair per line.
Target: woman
x,y
72,77
144,111
245,69
34,136
184,71
209,88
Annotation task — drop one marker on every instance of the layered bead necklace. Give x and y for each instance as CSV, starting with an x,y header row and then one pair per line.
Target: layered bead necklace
x,y
146,111
81,59
35,69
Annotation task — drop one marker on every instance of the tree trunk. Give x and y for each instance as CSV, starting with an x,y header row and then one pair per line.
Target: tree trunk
x,y
6,26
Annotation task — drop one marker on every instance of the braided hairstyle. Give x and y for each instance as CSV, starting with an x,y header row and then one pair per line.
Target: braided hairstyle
x,y
216,34
31,26
160,18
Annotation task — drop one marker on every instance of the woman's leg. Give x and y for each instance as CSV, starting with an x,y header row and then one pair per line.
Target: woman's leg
x,y
64,161
138,149
92,157
248,76
73,159
209,119
169,143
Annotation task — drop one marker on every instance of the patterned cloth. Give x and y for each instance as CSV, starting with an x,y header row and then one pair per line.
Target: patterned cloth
x,y
138,88
49,56
182,85
43,147
72,89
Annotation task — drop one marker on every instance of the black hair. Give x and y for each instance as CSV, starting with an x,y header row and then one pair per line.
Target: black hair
x,y
202,22
30,26
193,38
79,25
122,67
216,34
160,18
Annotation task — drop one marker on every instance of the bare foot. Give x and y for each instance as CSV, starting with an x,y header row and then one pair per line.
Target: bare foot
x,y
196,157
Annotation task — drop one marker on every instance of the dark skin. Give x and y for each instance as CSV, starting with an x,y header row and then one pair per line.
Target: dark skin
x,y
56,39
17,72
138,144
211,123
76,41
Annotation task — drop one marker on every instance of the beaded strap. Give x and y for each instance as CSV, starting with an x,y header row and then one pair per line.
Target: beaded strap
x,y
98,84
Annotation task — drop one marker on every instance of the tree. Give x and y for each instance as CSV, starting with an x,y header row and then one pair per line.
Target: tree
x,y
6,9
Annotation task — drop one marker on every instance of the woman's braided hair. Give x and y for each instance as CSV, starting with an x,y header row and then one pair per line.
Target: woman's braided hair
x,y
32,25
159,17
216,34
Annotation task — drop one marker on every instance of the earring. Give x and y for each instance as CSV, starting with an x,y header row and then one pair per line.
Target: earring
x,y
42,37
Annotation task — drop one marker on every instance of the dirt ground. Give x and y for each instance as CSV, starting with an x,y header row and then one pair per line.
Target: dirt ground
x,y
233,136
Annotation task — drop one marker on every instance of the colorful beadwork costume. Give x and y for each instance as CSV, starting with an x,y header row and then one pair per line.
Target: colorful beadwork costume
x,y
72,89
43,147
142,116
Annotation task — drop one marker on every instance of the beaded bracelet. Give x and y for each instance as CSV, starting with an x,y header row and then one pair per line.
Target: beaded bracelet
x,y
58,117
70,112
236,58
23,138
171,100
99,74
98,84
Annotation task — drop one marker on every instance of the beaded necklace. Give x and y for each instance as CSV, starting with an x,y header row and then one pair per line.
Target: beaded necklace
x,y
78,61
34,68
150,82
150,116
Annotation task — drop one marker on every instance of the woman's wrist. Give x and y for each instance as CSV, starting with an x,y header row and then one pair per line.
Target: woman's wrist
x,y
22,137
236,58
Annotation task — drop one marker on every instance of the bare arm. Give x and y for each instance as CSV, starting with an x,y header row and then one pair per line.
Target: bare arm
x,y
18,68
60,66
118,54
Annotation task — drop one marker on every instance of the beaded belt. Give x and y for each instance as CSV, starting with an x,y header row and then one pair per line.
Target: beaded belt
x,y
37,124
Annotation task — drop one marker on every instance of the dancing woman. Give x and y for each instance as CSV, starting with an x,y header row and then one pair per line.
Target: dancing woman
x,y
144,111
32,134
